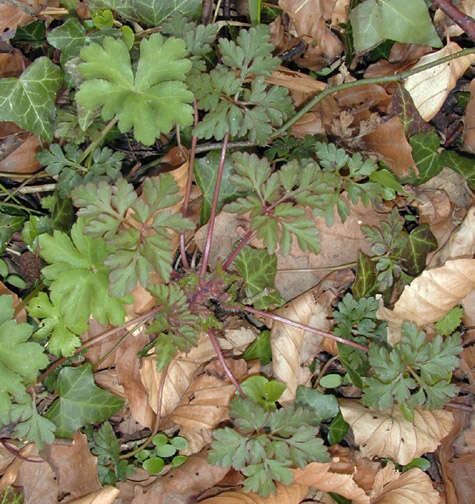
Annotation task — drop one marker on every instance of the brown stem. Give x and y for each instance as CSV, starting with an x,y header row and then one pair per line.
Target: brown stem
x,y
246,239
186,199
214,206
466,22
228,372
292,323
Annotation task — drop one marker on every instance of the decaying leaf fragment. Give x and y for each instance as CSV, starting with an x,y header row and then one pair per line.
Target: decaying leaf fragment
x,y
389,434
430,88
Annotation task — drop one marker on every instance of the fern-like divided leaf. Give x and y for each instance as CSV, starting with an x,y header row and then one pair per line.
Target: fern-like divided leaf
x,y
234,106
267,443
138,241
152,99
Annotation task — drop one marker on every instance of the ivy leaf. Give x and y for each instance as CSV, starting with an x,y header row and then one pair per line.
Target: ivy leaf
x,y
79,284
149,12
80,401
62,341
425,155
260,349
420,242
258,270
402,20
365,284
69,38
460,164
150,101
29,101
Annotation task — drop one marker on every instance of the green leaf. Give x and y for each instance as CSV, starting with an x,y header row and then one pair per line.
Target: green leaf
x,y
365,284
61,340
255,11
420,462
420,242
450,321
80,401
324,406
160,439
166,450
331,381
249,415
258,270
149,101
206,172
260,349
8,225
305,447
153,465
79,283
337,430
263,391
36,428
69,38
228,449
29,101
180,443
178,460
149,12
465,165
425,155
405,21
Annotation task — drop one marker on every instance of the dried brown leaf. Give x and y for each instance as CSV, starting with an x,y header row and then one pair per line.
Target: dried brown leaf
x,y
106,495
11,64
74,465
430,88
413,486
292,494
22,160
389,434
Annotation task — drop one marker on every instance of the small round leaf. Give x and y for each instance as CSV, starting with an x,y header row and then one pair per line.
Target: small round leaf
x,y
180,443
160,439
179,460
166,450
331,381
154,465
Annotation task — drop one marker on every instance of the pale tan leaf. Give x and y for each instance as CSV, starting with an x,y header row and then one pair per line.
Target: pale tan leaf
x,y
74,465
319,476
412,487
292,494
430,296
106,495
469,121
389,434
179,485
430,88
296,81
238,335
128,372
179,375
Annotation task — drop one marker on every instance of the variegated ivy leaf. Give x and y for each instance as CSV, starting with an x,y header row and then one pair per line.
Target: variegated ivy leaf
x,y
29,101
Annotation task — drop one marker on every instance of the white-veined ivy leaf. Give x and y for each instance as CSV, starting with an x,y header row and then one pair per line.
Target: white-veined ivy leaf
x,y
79,278
61,340
365,283
465,165
68,38
152,99
405,21
419,243
258,269
80,401
425,155
149,12
29,101
206,172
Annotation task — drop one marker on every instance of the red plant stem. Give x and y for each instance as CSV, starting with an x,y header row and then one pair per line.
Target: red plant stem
x,y
219,353
186,199
466,22
94,341
246,239
289,322
214,206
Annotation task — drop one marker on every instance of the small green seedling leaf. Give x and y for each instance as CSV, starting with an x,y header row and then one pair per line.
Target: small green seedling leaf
x,y
420,462
260,349
450,321
180,443
80,401
153,465
337,430
262,391
331,381
179,460
29,101
3,268
150,100
166,450
160,439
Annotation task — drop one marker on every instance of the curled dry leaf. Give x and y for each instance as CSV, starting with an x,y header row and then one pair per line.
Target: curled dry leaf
x,y
292,494
413,486
182,483
177,377
292,348
430,88
319,476
469,121
106,495
430,296
74,465
22,159
389,434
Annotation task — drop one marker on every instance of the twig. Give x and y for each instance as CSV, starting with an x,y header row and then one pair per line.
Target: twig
x,y
292,323
214,206
228,372
37,188
218,145
364,82
466,22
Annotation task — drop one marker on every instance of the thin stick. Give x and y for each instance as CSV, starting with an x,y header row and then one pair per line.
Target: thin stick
x,y
228,372
465,22
214,206
292,323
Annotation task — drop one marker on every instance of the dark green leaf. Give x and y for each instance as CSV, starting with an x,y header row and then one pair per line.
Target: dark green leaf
x,y
420,242
8,225
322,405
260,349
365,283
425,155
465,165
337,430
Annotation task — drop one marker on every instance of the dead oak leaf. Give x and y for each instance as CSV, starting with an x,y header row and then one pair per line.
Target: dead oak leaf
x,y
389,434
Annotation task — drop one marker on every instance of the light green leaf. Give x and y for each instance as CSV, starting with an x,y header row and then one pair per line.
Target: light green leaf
x,y
80,401
36,428
405,21
153,465
149,12
450,321
150,101
68,38
331,380
29,101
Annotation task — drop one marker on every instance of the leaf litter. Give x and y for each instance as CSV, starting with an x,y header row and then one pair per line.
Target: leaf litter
x,y
282,441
